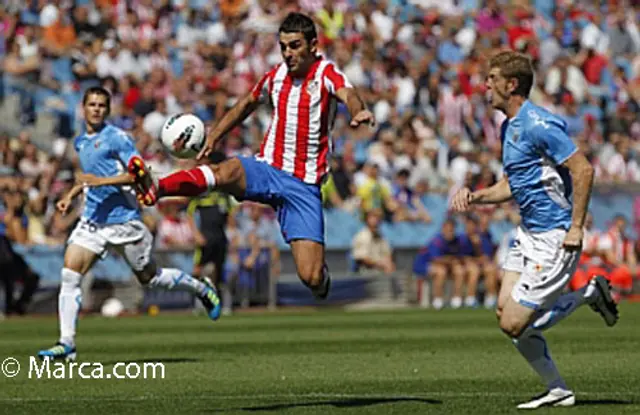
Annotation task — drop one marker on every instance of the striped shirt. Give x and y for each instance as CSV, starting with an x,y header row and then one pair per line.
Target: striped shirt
x,y
297,141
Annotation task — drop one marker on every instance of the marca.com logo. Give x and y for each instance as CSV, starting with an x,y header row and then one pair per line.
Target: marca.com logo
x,y
48,369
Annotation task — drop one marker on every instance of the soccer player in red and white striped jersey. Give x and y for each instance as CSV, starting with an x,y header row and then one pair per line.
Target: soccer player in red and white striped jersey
x,y
293,160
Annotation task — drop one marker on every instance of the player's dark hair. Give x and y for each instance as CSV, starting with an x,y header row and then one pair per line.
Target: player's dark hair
x,y
299,23
515,65
97,90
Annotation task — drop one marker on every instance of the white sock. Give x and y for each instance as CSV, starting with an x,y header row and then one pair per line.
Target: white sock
x,y
69,303
469,301
533,347
438,303
563,307
456,302
490,301
209,177
174,279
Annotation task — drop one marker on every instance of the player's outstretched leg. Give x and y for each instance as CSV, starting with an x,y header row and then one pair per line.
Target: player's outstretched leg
x,y
227,176
174,279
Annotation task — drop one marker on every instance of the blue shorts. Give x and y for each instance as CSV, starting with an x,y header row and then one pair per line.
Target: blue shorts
x,y
298,204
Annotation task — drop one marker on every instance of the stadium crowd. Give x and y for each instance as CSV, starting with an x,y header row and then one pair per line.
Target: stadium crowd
x,y
418,64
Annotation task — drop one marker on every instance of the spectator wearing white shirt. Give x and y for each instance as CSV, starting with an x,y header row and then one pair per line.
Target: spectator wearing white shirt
x,y
622,167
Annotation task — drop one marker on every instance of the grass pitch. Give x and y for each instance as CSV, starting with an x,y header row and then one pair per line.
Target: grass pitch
x,y
323,362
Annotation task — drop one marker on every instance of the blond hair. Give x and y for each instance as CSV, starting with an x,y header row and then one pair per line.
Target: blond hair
x,y
515,65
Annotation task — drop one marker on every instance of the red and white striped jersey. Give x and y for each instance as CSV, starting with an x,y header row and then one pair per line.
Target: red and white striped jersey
x,y
298,139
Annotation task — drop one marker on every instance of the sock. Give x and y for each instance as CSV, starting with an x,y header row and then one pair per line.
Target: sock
x,y
456,302
563,307
533,347
69,303
174,279
438,303
188,182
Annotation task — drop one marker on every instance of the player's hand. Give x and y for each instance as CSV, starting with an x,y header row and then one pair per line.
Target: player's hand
x,y
363,117
573,239
63,205
208,148
461,201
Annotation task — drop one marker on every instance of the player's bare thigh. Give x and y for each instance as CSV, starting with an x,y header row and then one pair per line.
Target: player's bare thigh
x,y
309,258
509,279
513,317
79,259
230,177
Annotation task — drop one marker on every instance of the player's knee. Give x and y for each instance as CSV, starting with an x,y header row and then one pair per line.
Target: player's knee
x,y
70,279
228,172
311,273
510,326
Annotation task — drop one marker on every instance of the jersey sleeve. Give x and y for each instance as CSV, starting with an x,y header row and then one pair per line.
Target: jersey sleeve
x,y
551,139
334,79
261,89
124,147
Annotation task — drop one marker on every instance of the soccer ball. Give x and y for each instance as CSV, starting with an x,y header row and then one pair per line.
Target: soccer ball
x,y
112,307
183,135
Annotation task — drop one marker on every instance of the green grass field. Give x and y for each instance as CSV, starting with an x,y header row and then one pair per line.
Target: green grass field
x,y
324,362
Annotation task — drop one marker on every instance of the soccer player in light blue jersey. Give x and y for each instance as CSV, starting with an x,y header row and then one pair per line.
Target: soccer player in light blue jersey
x,y
111,220
550,181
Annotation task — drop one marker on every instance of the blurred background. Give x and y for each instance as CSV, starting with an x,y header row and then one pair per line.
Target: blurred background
x,y
420,66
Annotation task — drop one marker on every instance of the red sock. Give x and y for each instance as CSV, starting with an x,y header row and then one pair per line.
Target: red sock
x,y
185,183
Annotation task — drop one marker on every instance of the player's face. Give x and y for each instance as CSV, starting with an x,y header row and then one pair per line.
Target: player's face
x,y
498,89
95,109
297,53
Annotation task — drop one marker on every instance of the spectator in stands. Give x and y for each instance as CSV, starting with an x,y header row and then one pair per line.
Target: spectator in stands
x,y
13,230
618,255
176,230
369,250
440,260
258,248
374,193
212,213
477,250
410,207
590,263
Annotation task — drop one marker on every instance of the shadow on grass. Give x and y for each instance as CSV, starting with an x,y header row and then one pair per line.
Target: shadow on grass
x,y
154,360
336,403
588,402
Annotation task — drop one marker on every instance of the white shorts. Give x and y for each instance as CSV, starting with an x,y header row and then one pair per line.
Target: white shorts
x,y
132,240
545,267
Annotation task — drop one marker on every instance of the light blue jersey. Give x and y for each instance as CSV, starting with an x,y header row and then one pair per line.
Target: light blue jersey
x,y
107,154
534,145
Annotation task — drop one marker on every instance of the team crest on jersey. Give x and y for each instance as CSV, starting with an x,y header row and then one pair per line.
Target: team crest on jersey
x,y
96,144
313,87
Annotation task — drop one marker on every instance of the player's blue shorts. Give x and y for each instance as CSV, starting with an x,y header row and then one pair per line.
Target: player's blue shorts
x,y
298,204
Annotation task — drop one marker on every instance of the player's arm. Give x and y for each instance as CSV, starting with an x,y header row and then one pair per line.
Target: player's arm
x,y
582,173
90,180
65,201
498,193
240,111
231,119
338,85
553,141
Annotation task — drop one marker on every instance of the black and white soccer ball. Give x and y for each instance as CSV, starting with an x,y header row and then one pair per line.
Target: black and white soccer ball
x,y
183,135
